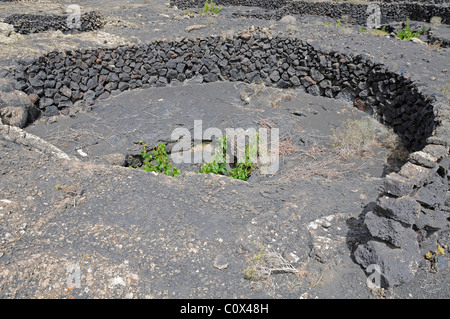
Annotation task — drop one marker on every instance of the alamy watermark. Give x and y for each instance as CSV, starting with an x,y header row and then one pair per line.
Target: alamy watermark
x,y
239,141
73,276
374,279
374,18
74,18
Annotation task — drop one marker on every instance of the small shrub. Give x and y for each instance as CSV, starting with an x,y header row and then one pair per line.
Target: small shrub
x,y
158,161
355,138
217,164
436,46
242,170
264,263
381,32
359,138
407,33
435,21
253,271
210,7
433,257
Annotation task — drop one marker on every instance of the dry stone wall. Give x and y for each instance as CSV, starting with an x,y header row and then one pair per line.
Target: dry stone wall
x,y
353,12
415,201
420,1
34,23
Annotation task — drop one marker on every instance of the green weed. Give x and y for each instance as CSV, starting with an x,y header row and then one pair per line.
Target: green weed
x,y
158,161
217,164
407,33
242,170
253,271
211,7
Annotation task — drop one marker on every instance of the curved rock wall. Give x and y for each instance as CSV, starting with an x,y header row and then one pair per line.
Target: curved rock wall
x,y
60,79
415,200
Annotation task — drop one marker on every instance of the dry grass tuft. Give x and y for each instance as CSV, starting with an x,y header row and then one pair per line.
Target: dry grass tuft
x,y
287,147
265,262
355,138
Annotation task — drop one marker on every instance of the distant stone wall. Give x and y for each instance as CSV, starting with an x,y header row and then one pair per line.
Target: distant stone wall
x,y
354,13
415,200
420,1
33,23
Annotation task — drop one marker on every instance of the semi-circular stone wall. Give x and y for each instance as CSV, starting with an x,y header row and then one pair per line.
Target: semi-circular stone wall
x,y
414,202
354,12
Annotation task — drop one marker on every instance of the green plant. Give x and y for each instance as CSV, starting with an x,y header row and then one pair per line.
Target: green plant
x,y
210,7
407,33
338,24
256,261
158,161
217,164
242,170
362,30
